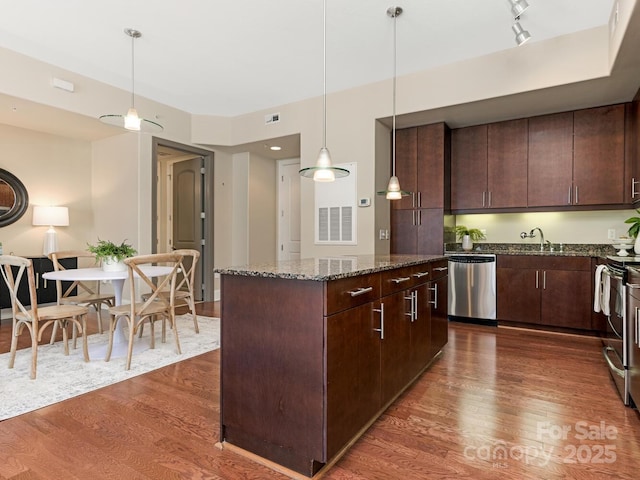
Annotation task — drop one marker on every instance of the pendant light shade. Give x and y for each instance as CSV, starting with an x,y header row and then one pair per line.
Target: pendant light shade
x,y
393,191
132,121
324,171
518,7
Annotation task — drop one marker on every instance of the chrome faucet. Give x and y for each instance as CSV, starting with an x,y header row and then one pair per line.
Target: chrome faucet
x,y
532,234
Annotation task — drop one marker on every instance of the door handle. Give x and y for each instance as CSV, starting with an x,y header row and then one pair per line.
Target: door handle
x,y
381,329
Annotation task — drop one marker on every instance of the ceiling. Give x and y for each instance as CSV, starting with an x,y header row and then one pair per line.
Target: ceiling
x,y
228,58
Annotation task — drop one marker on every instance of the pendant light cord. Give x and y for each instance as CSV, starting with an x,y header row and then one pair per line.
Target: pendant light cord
x,y
133,73
393,140
324,80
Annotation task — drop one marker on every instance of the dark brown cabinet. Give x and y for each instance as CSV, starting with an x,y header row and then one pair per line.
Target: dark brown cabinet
x,y
422,166
598,156
507,164
576,159
489,166
550,165
439,306
307,364
469,168
551,291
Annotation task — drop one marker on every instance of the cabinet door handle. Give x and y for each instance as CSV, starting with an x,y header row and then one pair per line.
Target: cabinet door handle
x,y
489,198
419,199
419,217
569,197
633,188
381,329
544,280
483,199
537,282
411,309
413,217
415,305
360,291
434,302
420,274
400,280
576,200
441,269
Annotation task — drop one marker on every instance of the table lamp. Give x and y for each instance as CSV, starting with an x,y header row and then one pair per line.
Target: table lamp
x,y
53,217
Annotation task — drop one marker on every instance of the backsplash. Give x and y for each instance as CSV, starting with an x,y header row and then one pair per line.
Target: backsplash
x,y
568,249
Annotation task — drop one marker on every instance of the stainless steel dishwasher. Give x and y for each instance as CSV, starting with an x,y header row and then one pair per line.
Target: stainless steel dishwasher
x,y
472,287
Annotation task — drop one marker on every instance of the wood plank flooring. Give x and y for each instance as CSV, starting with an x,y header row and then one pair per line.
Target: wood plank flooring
x,y
499,403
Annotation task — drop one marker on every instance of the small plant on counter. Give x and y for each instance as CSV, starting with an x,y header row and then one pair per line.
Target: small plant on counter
x,y
105,249
475,234
634,229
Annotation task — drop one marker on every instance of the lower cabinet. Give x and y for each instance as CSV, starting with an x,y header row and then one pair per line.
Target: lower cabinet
x,y
307,365
550,291
45,289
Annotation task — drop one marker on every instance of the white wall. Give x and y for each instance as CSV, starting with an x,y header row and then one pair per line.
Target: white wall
x,y
55,171
262,209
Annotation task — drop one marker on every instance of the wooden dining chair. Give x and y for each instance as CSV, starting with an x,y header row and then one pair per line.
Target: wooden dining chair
x,y
15,270
184,294
154,308
87,294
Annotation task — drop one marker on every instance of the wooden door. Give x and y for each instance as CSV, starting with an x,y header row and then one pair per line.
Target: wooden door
x,y
403,231
429,232
469,167
395,356
566,299
406,166
353,373
432,153
598,158
420,329
507,164
439,318
518,296
550,165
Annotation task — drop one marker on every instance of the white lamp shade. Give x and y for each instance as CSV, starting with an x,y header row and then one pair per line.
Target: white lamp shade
x,y
51,216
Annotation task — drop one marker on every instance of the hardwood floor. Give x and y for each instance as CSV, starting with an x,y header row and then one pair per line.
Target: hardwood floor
x,y
530,396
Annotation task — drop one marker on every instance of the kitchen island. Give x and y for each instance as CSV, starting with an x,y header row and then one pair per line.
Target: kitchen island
x,y
314,350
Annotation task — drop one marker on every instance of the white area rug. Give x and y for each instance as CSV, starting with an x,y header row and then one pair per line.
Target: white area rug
x,y
60,377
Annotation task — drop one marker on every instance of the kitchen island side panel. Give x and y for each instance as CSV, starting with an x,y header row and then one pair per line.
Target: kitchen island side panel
x,y
272,370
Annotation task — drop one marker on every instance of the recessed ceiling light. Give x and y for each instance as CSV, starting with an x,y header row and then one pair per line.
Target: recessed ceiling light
x,y
275,148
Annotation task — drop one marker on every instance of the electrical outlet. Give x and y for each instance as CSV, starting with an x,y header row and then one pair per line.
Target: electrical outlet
x,y
611,234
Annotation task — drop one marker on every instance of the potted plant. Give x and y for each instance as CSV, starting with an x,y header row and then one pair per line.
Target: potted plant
x,y
111,254
634,230
468,236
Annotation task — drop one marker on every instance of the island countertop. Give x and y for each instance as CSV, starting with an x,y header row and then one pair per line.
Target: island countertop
x,y
328,268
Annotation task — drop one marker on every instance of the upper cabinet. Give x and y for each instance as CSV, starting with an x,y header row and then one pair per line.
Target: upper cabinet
x,y
422,157
550,165
489,166
568,160
598,156
632,151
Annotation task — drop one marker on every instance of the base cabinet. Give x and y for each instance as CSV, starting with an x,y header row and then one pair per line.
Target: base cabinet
x,y
550,291
307,365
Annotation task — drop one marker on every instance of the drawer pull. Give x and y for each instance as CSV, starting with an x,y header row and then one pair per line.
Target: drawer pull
x,y
360,291
441,269
420,274
400,280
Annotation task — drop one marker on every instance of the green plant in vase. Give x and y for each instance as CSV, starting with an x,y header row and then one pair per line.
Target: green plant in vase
x,y
468,236
634,230
111,254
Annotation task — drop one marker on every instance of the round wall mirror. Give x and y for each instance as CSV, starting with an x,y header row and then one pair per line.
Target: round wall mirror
x,y
14,198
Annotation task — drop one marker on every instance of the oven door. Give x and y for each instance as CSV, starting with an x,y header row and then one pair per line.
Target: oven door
x,y
614,350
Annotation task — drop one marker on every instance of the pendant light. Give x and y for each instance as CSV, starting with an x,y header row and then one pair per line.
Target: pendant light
x,y
323,170
131,121
393,191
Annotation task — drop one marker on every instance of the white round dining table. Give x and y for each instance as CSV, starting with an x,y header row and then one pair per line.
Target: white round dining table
x,y
117,279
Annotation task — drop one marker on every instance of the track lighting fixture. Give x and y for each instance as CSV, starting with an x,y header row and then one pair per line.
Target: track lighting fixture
x,y
522,35
517,7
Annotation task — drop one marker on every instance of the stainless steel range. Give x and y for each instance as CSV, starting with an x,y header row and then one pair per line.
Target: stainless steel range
x,y
621,323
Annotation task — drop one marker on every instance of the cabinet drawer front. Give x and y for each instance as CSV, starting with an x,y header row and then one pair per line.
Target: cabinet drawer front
x,y
439,269
350,292
402,278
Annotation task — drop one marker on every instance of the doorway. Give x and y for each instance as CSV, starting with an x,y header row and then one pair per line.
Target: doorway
x,y
183,206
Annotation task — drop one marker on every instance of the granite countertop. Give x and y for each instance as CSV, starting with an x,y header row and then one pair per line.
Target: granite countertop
x,y
566,249
328,268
